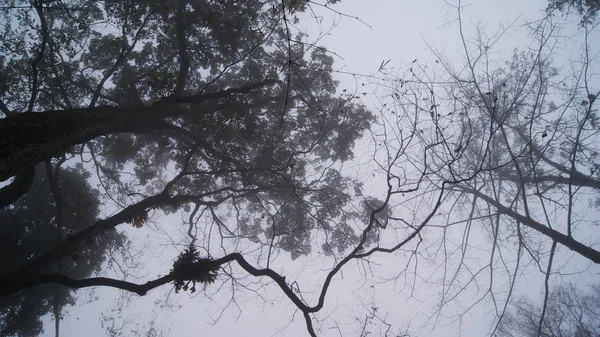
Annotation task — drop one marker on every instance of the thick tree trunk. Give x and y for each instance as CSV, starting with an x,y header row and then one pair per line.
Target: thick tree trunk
x,y
30,138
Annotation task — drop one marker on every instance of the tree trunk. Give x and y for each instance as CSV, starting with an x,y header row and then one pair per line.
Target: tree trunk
x,y
30,138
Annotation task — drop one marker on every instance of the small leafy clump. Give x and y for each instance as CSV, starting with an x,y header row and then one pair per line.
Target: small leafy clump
x,y
139,219
190,268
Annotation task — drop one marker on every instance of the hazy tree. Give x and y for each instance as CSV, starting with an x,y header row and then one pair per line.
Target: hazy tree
x,y
37,223
587,9
512,145
223,113
218,110
570,311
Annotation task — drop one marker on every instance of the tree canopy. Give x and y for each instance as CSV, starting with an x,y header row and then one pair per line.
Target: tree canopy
x,y
587,9
216,131
35,224
214,108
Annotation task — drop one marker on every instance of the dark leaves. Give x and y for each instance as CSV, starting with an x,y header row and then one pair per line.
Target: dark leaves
x,y
190,268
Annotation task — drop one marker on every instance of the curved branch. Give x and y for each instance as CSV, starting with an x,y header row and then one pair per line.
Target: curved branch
x,y
11,286
15,190
76,242
140,289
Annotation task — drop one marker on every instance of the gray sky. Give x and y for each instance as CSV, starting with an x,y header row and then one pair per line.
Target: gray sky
x,y
399,31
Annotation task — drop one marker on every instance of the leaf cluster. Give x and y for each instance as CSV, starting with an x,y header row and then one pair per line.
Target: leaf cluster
x,y
190,268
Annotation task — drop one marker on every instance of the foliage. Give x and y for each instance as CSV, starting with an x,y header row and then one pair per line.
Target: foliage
x,y
189,267
219,111
588,9
225,115
262,140
29,228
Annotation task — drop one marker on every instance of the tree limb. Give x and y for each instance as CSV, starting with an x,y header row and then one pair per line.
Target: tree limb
x,y
28,139
15,190
567,241
578,179
199,98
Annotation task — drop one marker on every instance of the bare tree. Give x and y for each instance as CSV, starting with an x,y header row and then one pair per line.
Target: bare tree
x,y
570,311
513,144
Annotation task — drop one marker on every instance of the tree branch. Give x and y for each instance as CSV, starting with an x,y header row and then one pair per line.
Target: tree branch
x,y
199,98
78,241
11,286
28,139
577,179
567,241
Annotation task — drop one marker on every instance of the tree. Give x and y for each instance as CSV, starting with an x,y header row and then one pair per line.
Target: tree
x,y
221,113
35,224
513,145
569,312
214,109
587,9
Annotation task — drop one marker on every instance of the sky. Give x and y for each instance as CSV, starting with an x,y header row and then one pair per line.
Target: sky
x,y
395,30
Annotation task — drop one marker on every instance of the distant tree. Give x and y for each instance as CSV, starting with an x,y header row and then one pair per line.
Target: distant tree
x,y
569,311
587,9
37,223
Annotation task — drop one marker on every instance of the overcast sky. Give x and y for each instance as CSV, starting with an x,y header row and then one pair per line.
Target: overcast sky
x,y
396,30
